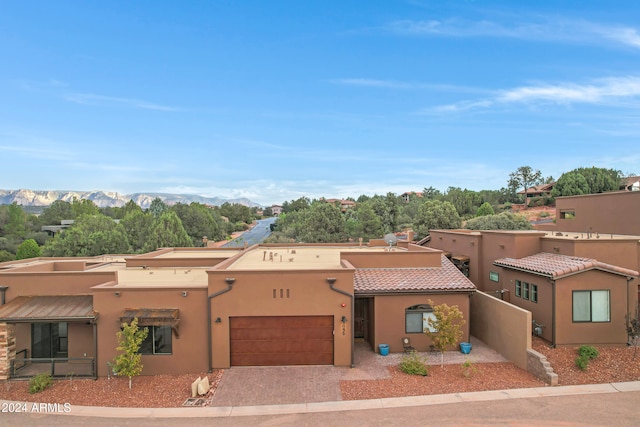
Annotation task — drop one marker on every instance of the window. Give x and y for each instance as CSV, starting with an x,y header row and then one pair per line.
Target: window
x,y
417,319
518,288
158,341
591,306
534,293
525,290
567,214
493,276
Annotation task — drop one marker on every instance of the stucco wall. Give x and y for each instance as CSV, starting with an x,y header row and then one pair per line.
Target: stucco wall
x,y
189,350
502,326
305,292
613,332
614,212
389,315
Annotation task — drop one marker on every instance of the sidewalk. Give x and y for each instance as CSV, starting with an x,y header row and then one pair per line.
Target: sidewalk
x,y
315,407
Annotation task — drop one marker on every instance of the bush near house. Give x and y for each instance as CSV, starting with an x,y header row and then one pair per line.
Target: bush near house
x,y
414,364
585,354
39,383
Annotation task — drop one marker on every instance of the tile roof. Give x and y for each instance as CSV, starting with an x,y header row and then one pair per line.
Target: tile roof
x,y
392,280
557,266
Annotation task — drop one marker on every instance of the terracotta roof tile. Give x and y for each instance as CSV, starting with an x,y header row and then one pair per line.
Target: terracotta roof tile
x,y
384,280
556,266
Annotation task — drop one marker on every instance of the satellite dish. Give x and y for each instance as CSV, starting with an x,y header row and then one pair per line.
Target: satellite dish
x,y
391,239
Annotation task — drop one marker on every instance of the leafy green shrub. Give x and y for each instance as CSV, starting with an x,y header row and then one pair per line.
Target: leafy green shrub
x,y
39,383
585,354
589,352
582,363
414,364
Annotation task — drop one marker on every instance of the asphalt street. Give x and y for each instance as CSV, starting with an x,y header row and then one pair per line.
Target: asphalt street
x,y
601,409
257,234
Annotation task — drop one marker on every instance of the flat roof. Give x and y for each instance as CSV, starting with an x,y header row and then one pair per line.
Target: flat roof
x,y
298,257
157,277
201,253
571,235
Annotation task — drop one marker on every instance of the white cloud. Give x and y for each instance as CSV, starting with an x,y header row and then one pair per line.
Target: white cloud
x,y
93,99
542,29
605,91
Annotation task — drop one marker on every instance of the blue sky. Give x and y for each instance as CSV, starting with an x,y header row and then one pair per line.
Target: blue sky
x,y
273,100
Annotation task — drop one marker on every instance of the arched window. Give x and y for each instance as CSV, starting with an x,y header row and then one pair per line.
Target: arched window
x,y
417,319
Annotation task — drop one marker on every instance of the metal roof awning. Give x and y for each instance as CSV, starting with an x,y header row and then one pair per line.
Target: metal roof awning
x,y
153,317
48,308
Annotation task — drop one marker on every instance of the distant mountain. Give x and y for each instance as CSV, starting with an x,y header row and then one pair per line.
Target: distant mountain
x,y
109,199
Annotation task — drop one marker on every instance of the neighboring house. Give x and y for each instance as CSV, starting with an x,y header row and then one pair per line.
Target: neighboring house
x,y
573,300
542,190
209,308
52,230
276,210
407,195
630,183
599,214
344,204
500,263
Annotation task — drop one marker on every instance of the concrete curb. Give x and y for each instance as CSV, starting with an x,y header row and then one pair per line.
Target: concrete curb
x,y
343,405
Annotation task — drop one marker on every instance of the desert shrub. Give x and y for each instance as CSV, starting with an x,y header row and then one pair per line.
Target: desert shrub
x,y
414,364
585,354
40,382
468,368
588,352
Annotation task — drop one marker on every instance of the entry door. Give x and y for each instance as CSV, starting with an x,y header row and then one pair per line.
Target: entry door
x,y
49,340
360,318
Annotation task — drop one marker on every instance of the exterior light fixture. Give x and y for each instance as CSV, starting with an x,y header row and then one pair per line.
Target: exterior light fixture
x,y
344,319
218,320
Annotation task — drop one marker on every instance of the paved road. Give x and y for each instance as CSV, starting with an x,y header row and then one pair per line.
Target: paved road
x,y
257,234
601,409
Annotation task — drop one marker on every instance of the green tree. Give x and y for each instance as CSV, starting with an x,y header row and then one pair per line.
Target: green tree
x,y
323,224
90,235
16,223
363,222
570,184
236,212
167,232
465,201
56,212
137,226
445,328
387,208
485,209
268,211
198,221
28,249
435,214
129,362
157,207
296,205
502,221
524,177
84,207
6,256
587,181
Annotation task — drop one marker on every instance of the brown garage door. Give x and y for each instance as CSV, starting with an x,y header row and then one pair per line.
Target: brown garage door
x,y
281,340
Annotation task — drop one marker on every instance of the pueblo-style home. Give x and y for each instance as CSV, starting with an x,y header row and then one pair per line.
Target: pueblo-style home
x,y
579,287
208,308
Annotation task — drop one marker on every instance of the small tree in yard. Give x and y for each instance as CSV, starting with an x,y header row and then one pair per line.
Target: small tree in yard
x,y
129,362
633,329
447,327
